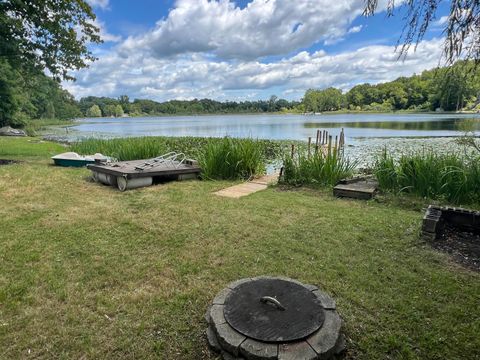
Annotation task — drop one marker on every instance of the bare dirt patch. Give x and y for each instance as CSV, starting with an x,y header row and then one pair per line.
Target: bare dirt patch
x,y
463,246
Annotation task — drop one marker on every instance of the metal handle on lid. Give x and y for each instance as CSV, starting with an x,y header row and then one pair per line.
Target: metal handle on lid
x,y
272,301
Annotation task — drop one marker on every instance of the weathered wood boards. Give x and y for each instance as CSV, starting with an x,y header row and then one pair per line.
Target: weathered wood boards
x,y
126,175
357,188
247,188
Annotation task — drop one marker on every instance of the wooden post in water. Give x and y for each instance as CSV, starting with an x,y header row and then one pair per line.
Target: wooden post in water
x,y
309,145
317,140
336,144
329,144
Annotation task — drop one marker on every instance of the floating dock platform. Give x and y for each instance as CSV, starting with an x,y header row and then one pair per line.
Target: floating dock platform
x,y
357,188
126,175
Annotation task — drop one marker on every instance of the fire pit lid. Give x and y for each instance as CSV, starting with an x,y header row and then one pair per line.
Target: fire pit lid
x,y
273,310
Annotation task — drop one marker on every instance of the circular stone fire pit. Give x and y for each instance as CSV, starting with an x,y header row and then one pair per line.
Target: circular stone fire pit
x,y
274,318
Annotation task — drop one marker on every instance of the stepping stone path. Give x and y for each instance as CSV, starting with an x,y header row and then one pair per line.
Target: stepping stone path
x,y
250,187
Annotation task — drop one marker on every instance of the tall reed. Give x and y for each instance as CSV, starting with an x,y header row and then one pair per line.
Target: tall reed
x,y
232,159
447,177
319,168
147,147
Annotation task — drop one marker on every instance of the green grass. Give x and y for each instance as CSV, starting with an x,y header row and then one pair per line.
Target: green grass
x,y
324,169
89,272
448,177
20,147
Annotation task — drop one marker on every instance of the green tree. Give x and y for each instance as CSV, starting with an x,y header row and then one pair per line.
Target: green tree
x,y
39,35
94,111
51,34
310,100
109,110
49,112
8,91
272,103
118,111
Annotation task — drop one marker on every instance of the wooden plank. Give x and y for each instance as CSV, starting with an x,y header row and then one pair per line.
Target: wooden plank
x,y
127,169
364,191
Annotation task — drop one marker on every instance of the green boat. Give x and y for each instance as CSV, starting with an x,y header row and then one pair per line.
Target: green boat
x,y
72,159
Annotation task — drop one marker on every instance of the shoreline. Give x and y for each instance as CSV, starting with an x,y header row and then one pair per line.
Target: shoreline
x,y
277,113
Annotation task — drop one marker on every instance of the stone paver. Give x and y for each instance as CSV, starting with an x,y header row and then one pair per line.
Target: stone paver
x,y
253,350
325,339
229,339
295,351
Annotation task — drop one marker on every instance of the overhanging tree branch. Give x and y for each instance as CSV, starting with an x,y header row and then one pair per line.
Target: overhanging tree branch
x,y
461,29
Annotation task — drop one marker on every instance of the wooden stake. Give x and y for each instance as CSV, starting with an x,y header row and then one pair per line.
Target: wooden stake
x,y
316,141
336,143
293,151
309,144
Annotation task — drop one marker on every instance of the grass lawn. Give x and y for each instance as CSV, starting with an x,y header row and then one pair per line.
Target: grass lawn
x,y
88,272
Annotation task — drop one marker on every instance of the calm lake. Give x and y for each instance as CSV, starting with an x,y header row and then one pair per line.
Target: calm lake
x,y
291,127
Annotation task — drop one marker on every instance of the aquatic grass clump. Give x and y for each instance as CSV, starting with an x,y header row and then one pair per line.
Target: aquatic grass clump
x,y
449,177
122,149
320,168
232,159
135,148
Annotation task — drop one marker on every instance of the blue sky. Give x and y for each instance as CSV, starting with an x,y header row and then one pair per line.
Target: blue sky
x,y
241,50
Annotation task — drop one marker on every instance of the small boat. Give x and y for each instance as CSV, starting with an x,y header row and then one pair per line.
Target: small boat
x,y
74,160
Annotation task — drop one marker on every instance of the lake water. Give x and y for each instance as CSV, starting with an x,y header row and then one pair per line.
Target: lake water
x,y
291,127
366,134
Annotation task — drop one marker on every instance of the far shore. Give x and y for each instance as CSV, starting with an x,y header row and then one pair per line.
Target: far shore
x,y
337,112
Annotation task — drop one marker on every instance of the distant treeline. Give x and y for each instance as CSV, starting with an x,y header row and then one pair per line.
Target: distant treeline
x,y
92,106
31,94
450,89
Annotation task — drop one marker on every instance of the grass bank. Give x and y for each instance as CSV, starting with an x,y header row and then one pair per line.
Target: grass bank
x,y
89,272
33,127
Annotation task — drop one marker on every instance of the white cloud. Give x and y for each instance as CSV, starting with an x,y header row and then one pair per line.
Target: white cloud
x,y
103,4
355,29
197,76
212,49
262,28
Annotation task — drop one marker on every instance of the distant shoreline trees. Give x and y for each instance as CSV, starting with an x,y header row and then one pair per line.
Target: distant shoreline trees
x,y
450,89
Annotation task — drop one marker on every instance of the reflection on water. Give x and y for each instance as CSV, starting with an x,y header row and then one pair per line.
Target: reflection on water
x,y
295,127
447,124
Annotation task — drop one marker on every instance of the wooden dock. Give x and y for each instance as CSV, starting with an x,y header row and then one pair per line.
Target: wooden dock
x,y
134,174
